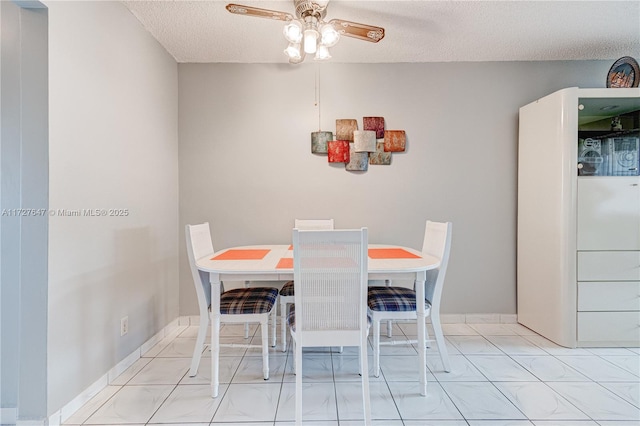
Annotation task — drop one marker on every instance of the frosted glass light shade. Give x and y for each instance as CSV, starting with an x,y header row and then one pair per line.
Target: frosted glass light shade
x,y
293,32
323,53
329,35
293,51
310,41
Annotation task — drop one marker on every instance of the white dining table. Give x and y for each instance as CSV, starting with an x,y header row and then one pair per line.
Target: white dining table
x,y
275,263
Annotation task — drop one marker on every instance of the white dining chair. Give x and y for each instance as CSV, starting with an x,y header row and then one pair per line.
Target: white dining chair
x,y
330,279
286,292
242,305
399,303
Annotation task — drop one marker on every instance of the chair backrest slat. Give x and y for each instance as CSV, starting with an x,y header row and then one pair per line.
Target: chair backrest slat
x,y
311,224
330,279
437,242
199,245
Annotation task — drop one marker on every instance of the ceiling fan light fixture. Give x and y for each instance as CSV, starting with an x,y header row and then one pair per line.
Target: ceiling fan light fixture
x,y
308,32
323,53
329,35
293,51
293,32
310,41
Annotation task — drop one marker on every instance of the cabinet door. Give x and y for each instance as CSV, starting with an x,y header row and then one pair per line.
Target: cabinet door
x,y
608,213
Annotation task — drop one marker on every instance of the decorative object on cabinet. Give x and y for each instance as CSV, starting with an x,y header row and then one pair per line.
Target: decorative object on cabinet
x,y
338,151
624,73
578,245
319,141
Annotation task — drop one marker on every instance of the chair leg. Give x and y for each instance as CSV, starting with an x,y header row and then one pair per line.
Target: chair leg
x,y
293,359
273,326
197,350
283,323
298,366
389,322
246,324
422,354
364,367
264,327
442,347
376,348
215,355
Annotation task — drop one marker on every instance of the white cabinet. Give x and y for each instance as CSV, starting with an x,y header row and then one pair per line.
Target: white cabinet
x,y
578,259
608,217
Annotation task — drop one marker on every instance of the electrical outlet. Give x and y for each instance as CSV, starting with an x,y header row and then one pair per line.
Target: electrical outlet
x,y
124,326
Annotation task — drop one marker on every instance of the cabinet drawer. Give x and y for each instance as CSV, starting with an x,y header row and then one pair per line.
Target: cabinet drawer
x,y
609,266
620,327
609,296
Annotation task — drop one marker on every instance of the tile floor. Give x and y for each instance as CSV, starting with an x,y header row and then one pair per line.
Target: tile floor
x,y
502,375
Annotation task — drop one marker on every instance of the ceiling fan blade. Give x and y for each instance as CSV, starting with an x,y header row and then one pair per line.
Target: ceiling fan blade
x,y
259,13
359,31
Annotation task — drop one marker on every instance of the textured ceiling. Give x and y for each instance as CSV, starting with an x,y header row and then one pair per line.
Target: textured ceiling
x,y
416,31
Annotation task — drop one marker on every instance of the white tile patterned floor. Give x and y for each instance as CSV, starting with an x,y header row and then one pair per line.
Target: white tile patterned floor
x,y
502,375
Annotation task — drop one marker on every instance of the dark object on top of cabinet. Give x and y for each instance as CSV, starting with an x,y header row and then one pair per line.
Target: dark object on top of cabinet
x,y
624,73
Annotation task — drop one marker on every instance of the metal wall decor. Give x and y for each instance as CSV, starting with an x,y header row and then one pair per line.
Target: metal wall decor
x,y
364,140
358,161
319,142
338,151
359,148
395,140
345,129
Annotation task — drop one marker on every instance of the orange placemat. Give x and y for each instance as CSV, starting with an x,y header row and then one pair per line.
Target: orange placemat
x,y
285,263
391,253
242,254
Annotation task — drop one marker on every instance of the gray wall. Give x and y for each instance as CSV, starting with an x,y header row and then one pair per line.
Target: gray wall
x,y
113,145
247,168
25,185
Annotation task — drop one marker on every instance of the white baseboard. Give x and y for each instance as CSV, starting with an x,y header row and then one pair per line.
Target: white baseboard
x,y
32,423
8,416
74,405
478,318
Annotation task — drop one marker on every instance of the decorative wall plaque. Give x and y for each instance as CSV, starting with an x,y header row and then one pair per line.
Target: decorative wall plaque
x,y
359,148
364,140
338,151
374,123
319,141
394,140
358,161
380,157
345,128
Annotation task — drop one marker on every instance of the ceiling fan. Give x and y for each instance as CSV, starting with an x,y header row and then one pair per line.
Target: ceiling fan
x,y
307,32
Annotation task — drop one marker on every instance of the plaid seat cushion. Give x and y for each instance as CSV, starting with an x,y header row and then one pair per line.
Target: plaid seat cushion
x,y
287,289
291,318
395,299
256,300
